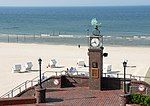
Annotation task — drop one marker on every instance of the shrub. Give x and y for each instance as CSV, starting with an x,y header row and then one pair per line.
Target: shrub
x,y
143,100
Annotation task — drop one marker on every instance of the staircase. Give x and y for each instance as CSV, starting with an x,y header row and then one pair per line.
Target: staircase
x,y
71,82
27,84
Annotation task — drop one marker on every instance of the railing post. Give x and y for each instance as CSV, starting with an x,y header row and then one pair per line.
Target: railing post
x,y
56,73
130,76
44,75
117,75
24,38
32,83
26,85
139,78
20,89
11,93
17,38
8,38
34,36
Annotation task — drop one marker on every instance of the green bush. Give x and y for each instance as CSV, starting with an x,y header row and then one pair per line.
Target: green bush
x,y
143,100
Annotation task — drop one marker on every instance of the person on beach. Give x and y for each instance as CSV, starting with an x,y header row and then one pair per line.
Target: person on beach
x,y
78,46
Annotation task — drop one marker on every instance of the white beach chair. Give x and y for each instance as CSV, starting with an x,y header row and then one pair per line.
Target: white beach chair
x,y
72,70
107,68
16,68
84,74
28,66
81,63
53,63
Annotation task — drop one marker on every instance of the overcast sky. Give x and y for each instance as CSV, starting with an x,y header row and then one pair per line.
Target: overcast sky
x,y
73,2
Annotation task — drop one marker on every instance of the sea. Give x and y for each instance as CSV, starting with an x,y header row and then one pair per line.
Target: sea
x,y
120,25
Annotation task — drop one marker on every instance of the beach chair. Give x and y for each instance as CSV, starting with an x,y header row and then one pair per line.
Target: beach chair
x,y
28,66
81,63
72,70
107,68
16,68
84,74
53,63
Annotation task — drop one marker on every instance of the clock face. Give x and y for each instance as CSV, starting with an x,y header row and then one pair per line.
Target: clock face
x,y
95,42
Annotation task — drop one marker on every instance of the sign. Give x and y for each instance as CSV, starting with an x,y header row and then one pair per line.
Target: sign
x,y
141,88
94,65
56,82
94,73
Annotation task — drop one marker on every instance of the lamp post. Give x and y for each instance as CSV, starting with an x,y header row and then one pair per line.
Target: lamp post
x,y
40,62
124,98
124,66
40,91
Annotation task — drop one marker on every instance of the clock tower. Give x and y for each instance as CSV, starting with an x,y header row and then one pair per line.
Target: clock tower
x,y
95,53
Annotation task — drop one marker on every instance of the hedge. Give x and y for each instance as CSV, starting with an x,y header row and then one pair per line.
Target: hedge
x,y
143,100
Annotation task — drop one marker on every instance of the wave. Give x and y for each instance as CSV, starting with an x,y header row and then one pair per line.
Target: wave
x,y
127,37
66,35
45,35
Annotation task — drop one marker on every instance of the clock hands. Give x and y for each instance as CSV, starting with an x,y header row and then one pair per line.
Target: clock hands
x,y
93,42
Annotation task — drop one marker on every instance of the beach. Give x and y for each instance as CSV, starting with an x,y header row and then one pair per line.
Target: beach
x,y
66,56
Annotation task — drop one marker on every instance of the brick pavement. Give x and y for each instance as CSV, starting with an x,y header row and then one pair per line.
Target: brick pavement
x,y
80,96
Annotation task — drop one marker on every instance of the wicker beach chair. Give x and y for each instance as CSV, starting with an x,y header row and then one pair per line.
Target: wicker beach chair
x,y
28,66
53,63
81,63
71,71
16,68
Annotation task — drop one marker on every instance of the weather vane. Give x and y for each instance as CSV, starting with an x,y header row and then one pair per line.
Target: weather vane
x,y
95,24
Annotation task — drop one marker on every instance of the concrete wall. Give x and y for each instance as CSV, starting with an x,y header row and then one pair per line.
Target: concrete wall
x,y
134,90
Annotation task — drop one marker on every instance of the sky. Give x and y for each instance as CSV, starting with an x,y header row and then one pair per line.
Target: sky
x,y
73,2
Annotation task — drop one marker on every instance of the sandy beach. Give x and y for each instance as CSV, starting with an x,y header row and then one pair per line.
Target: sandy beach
x,y
13,53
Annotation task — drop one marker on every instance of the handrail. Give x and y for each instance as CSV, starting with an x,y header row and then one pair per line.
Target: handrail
x,y
19,87
25,84
131,76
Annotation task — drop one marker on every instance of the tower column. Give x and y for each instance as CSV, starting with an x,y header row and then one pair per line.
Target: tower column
x,y
95,68
95,53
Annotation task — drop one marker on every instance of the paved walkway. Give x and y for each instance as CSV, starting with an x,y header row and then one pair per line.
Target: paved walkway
x,y
80,96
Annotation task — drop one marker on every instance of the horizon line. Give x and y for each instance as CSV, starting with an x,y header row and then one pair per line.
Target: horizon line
x,y
84,6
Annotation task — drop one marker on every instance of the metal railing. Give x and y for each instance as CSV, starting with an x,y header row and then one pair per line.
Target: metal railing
x,y
18,89
44,39
130,76
28,83
34,81
47,74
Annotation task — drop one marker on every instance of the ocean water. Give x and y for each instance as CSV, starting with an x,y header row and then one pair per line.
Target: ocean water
x,y
126,25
